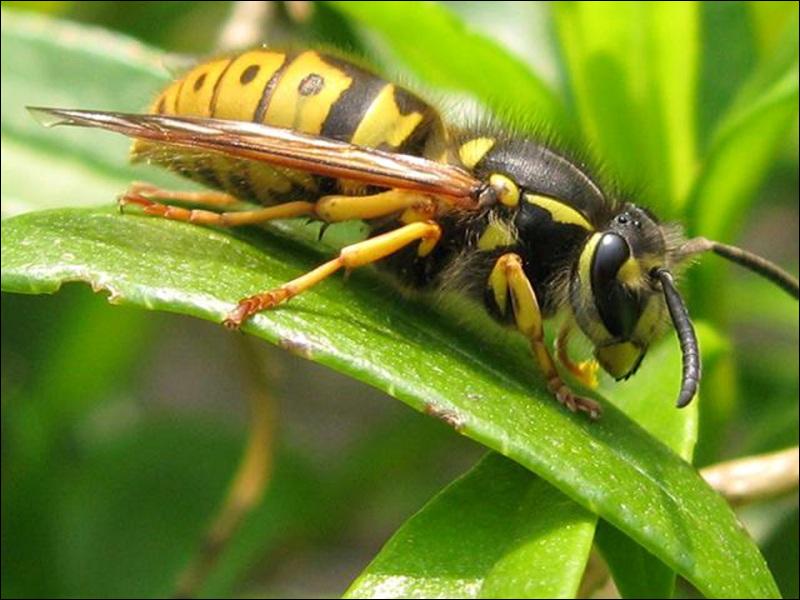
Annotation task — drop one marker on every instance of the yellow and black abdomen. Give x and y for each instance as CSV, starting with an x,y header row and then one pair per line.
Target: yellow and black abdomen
x,y
307,92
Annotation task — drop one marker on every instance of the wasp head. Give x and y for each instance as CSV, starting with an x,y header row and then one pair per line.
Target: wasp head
x,y
615,293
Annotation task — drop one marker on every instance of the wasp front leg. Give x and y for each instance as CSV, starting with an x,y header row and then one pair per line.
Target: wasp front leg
x,y
584,371
508,279
350,257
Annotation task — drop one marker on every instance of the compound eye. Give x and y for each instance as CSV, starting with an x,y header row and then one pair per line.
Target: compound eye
x,y
611,253
619,308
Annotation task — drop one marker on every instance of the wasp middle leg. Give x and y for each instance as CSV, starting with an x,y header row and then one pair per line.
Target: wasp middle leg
x,y
584,371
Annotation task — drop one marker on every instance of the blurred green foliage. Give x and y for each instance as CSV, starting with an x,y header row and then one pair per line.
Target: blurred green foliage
x,y
107,487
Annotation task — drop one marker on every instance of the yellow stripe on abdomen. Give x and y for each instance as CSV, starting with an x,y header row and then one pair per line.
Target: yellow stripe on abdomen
x,y
167,101
242,87
384,124
197,91
307,90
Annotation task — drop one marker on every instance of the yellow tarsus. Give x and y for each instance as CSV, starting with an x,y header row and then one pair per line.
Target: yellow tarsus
x,y
584,371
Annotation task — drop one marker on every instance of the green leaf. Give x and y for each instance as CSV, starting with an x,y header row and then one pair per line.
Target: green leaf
x,y
783,554
744,145
46,407
322,509
118,514
632,68
422,357
497,532
69,66
480,381
637,573
770,21
463,60
728,57
743,148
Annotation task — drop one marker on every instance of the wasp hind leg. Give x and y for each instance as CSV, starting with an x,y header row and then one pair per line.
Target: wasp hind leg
x,y
207,198
145,195
332,209
508,279
350,257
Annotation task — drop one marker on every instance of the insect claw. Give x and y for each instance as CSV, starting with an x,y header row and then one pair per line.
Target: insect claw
x,y
578,403
234,319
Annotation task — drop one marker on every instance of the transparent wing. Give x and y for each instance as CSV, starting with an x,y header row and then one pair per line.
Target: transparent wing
x,y
281,147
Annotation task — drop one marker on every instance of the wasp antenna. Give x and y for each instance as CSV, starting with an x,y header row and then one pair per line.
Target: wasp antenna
x,y
686,337
746,259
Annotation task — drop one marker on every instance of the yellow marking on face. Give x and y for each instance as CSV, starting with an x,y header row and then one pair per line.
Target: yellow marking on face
x,y
241,87
592,327
198,88
495,235
651,319
470,153
585,263
630,272
559,211
305,94
618,359
383,123
507,191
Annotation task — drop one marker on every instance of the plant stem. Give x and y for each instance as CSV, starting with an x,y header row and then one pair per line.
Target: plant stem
x,y
249,482
754,478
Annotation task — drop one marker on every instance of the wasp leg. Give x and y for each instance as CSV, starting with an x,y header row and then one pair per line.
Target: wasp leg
x,y
208,217
347,208
350,257
207,198
415,207
508,276
584,371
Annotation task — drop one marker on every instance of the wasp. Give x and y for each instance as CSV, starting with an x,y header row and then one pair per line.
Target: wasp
x,y
507,220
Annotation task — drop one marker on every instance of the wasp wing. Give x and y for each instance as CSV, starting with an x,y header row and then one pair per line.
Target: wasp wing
x,y
281,147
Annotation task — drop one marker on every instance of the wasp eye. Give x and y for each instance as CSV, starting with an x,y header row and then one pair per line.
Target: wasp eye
x,y
619,308
612,251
